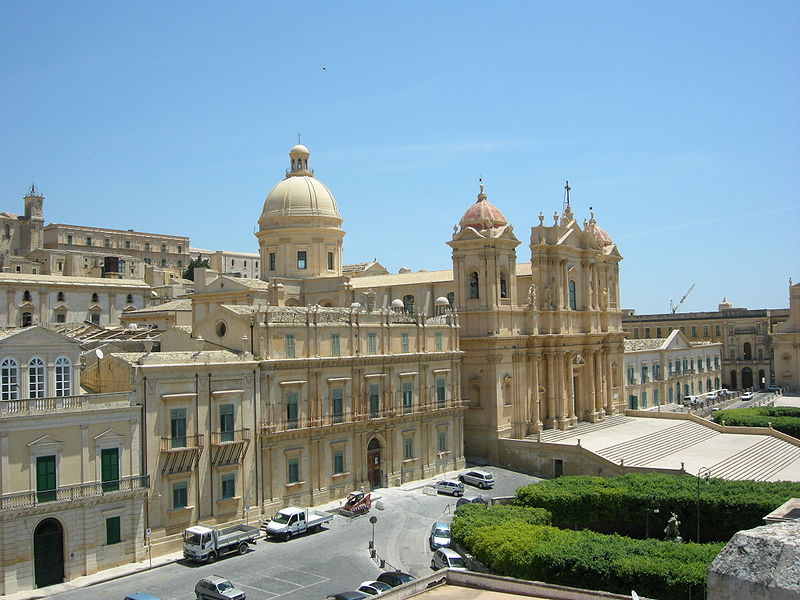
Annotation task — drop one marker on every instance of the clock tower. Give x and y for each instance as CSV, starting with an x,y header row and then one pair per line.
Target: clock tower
x,y
33,204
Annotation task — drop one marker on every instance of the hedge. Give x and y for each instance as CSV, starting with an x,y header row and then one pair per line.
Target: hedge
x,y
625,504
783,418
471,516
658,569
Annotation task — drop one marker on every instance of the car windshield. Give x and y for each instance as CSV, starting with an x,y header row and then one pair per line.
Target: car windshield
x,y
441,532
379,585
404,578
281,518
191,538
457,561
224,585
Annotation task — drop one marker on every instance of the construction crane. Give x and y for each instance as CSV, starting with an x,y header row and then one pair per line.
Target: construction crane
x,y
674,307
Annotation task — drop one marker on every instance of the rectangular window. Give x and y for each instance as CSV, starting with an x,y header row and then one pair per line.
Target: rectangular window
x,y
177,419
36,379
113,535
291,410
408,448
404,343
330,261
716,330
442,439
148,261
69,239
88,241
658,332
716,362
228,485
705,330
655,397
288,344
338,461
180,495
147,246
180,249
631,376
408,397
645,378
109,469
226,424
372,343
647,332
301,260
656,372
46,478
271,261
163,262
636,333
708,363
180,264
669,367
127,243
163,247
437,342
337,405
374,400
9,389
694,331
336,349
440,392
293,470
107,243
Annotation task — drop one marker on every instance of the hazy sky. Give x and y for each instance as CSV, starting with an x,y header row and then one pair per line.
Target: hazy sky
x,y
679,122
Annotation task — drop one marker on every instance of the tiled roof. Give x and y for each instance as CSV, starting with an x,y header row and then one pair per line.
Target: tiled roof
x,y
71,281
189,357
239,309
182,304
255,284
644,344
445,276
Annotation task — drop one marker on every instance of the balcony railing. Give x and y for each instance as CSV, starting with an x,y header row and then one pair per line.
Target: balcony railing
x,y
186,442
356,416
71,493
225,437
29,406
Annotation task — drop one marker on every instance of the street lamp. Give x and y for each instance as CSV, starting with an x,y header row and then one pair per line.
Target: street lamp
x,y
703,473
650,508
373,519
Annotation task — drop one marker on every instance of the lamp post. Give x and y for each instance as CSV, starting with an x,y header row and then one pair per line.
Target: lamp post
x,y
373,519
651,508
703,473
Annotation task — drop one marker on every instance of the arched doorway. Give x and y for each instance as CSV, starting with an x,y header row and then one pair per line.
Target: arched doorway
x,y
733,380
48,553
747,351
747,378
374,463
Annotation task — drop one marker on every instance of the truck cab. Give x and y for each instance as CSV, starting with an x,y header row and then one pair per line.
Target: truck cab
x,y
198,541
287,522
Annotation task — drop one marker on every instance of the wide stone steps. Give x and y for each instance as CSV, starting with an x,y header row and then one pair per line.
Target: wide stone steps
x,y
556,435
759,461
654,446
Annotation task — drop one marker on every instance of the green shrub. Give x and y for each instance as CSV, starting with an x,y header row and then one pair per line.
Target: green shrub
x,y
625,504
783,418
658,569
471,516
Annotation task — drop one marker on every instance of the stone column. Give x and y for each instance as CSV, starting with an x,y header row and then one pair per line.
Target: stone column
x,y
534,412
598,383
4,487
572,400
552,419
591,390
85,454
561,408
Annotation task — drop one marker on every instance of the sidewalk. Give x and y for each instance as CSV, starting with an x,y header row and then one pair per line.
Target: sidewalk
x,y
167,559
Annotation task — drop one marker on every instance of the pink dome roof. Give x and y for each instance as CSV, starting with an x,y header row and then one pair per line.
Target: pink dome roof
x,y
601,235
482,215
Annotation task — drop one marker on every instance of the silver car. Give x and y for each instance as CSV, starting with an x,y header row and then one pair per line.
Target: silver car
x,y
440,535
445,558
447,486
217,588
482,479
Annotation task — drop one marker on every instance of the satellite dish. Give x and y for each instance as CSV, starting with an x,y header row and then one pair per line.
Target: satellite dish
x,y
134,327
99,353
153,293
634,595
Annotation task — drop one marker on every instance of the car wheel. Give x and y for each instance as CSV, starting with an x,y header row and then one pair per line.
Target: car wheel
x,y
242,548
212,557
288,535
459,494
433,565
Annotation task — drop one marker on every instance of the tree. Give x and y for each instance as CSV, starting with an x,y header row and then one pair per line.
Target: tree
x,y
195,262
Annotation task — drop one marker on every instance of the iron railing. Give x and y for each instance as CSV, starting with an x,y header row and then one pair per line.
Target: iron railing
x,y
185,442
224,437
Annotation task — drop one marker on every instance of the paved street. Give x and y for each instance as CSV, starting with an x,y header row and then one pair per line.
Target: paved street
x,y
313,566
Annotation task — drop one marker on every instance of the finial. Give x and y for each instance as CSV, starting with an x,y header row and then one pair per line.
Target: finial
x,y
299,135
480,183
541,218
566,193
555,218
33,191
481,194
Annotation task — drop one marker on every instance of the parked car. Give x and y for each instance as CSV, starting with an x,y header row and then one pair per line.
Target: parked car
x,y
445,558
395,578
482,479
773,388
141,596
471,500
352,595
440,535
448,486
373,588
747,396
217,588
292,521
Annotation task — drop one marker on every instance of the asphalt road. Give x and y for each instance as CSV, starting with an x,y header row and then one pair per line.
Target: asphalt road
x,y
312,566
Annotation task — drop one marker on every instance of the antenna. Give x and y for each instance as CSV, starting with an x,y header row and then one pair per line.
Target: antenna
x,y
674,307
566,196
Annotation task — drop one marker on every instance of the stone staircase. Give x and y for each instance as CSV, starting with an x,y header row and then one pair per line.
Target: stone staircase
x,y
759,461
556,435
654,446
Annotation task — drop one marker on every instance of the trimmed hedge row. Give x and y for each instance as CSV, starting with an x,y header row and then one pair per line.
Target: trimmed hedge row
x,y
625,504
783,418
471,516
664,570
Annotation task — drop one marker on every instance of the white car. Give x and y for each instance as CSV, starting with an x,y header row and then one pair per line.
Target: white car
x,y
440,535
482,479
445,558
373,588
448,486
747,396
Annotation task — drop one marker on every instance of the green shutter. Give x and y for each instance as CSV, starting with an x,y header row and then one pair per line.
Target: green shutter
x,y
46,478
109,464
113,535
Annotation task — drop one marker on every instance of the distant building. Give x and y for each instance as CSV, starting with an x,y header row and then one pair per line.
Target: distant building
x,y
233,264
747,353
785,339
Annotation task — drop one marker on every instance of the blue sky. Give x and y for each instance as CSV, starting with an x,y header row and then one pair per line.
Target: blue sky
x,y
678,122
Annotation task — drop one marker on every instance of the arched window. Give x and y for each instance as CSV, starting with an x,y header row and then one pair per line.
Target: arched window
x,y
451,298
9,390
408,304
63,377
472,282
36,381
26,296
503,285
129,299
573,302
95,297
747,350
60,297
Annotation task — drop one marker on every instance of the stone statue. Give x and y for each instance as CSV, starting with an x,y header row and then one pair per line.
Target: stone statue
x,y
532,296
604,299
548,297
555,218
671,533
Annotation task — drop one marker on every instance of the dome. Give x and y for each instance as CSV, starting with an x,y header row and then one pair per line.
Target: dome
x,y
300,194
442,301
602,237
482,215
397,303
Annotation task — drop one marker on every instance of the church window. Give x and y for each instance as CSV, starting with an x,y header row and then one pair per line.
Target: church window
x,y
472,281
573,301
503,286
374,396
95,318
9,390
221,329
271,261
233,262
61,317
27,319
301,260
245,263
408,304
60,266
36,385
330,261
63,372
747,351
